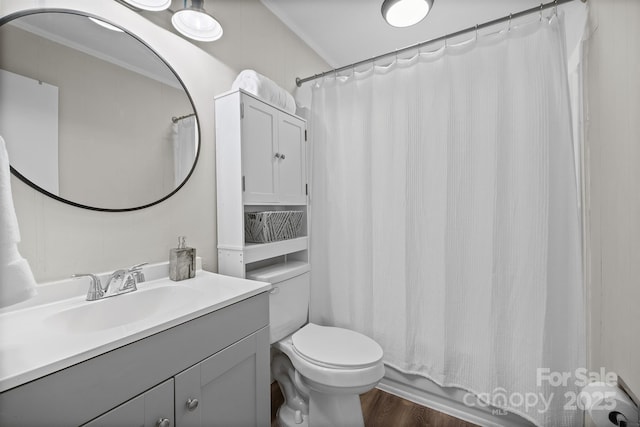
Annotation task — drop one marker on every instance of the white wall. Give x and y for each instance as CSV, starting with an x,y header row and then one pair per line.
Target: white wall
x,y
613,193
58,239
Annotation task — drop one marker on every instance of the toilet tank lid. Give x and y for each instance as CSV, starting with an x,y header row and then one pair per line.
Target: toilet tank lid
x,y
277,273
337,347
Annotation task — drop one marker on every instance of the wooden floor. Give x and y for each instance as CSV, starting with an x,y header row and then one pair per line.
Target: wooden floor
x,y
382,409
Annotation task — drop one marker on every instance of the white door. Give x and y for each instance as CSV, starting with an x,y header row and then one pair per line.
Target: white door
x,y
231,388
292,160
259,146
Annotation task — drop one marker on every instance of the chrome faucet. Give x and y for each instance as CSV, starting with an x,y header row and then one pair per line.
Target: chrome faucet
x,y
120,282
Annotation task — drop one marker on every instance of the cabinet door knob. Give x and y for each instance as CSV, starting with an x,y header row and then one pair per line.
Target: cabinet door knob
x,y
277,156
163,422
192,404
282,156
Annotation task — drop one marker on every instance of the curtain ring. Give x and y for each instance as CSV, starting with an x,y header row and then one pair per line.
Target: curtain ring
x,y
509,26
541,4
476,32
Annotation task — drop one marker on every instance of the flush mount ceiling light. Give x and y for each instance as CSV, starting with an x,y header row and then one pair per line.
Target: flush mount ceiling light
x,y
404,13
155,5
194,22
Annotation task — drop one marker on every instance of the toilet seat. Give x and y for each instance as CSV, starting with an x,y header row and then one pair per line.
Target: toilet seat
x,y
348,370
336,348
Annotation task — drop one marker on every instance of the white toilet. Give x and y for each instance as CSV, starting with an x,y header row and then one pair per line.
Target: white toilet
x,y
321,370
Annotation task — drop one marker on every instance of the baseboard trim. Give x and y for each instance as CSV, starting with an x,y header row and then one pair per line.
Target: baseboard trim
x,y
450,406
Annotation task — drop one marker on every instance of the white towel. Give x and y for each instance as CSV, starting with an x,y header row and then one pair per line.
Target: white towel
x,y
16,278
266,89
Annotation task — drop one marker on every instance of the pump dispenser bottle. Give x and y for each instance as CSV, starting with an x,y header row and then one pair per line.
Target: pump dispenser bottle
x,y
182,261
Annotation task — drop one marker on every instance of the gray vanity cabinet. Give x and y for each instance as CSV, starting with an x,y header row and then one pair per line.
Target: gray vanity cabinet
x,y
221,359
150,409
223,390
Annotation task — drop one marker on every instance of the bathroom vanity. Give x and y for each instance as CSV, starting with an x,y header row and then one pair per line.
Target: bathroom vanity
x,y
187,353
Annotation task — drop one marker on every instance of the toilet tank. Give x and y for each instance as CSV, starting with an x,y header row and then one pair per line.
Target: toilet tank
x,y
289,298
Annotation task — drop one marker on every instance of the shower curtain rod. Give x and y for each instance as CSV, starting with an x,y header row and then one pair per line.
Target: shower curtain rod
x,y
477,27
177,119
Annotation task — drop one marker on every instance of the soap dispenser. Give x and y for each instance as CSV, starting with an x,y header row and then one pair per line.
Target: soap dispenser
x,y
182,261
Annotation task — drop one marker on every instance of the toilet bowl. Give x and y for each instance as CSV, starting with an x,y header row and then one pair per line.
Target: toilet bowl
x,y
328,368
321,370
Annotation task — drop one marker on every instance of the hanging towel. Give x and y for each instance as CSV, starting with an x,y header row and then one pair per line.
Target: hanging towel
x,y
16,278
266,89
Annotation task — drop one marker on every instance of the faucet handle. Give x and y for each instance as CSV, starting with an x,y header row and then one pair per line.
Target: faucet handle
x,y
137,273
95,286
137,267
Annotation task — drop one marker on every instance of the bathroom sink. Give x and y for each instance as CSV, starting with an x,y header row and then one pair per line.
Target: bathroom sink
x,y
59,328
122,310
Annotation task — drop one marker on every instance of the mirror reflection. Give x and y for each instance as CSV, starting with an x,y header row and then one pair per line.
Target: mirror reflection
x,y
90,114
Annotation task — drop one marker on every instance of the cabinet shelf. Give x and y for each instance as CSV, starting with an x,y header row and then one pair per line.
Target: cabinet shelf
x,y
278,204
258,251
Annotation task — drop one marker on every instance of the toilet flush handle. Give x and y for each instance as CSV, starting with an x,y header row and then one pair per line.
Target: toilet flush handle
x,y
275,290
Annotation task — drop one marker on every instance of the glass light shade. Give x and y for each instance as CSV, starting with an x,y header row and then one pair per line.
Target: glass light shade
x,y
197,24
404,13
154,5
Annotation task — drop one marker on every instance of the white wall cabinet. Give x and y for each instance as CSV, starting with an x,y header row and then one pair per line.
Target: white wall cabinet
x,y
221,359
261,164
273,155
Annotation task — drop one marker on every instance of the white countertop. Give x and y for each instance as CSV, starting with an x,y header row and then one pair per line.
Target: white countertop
x,y
33,344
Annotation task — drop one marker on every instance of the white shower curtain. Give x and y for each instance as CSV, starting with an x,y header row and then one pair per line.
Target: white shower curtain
x,y
185,142
444,217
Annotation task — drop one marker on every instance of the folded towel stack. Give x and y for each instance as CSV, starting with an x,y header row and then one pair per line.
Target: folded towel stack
x,y
266,89
16,278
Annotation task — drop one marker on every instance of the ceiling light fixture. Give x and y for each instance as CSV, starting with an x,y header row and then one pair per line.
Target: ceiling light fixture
x,y
404,13
154,5
194,22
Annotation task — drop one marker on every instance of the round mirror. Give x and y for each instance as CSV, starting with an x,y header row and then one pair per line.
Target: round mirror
x,y
90,114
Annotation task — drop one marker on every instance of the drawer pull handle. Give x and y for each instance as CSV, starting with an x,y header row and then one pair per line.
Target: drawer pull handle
x,y
192,404
163,422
